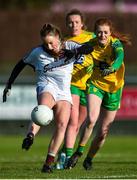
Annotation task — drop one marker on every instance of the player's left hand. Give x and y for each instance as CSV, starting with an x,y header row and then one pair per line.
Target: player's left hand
x,y
6,93
107,71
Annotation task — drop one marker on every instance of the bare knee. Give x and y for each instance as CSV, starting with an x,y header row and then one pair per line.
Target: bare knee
x,y
73,125
102,136
61,126
90,123
103,133
92,118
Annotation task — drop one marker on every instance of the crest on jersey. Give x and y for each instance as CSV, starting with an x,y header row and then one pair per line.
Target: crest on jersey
x,y
79,59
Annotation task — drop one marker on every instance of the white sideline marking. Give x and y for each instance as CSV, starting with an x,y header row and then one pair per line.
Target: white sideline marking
x,y
119,176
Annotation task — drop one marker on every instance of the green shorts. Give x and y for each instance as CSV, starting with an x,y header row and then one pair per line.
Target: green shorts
x,y
110,101
80,93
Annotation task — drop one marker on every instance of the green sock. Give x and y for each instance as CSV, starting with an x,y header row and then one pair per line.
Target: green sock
x,y
81,148
69,151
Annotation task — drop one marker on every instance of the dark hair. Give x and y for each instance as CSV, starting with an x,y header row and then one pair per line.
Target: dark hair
x,y
50,29
125,38
76,12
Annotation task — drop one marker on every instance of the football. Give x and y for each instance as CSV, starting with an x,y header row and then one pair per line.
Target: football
x,y
42,115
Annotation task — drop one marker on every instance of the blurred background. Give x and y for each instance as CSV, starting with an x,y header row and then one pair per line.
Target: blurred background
x,y
20,23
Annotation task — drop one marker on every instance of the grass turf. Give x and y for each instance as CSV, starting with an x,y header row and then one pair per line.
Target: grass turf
x,y
117,159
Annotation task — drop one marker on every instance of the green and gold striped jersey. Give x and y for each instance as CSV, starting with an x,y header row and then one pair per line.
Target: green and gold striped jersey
x,y
112,54
79,75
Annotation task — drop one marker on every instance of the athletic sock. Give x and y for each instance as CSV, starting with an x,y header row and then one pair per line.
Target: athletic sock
x,y
80,149
69,152
50,159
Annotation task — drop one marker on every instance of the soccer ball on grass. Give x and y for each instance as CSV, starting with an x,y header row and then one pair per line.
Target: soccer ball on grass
x,y
42,115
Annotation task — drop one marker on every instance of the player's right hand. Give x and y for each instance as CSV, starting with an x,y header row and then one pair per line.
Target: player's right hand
x,y
6,93
107,71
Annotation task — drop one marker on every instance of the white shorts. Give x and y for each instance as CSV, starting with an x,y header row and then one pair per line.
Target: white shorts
x,y
57,94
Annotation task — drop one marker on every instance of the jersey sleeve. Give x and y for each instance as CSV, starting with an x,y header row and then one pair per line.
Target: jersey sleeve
x,y
30,58
72,45
119,54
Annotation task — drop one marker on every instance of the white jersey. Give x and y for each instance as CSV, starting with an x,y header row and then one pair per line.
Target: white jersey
x,y
55,81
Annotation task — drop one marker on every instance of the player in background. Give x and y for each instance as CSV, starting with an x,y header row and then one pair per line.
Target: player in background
x,y
53,84
75,23
104,87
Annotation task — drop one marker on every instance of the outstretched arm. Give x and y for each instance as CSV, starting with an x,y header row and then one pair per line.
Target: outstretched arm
x,y
17,69
70,56
119,57
85,48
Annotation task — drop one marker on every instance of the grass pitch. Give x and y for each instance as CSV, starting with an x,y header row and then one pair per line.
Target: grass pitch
x,y
116,160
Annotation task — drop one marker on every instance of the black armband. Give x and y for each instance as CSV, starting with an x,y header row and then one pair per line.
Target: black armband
x,y
86,48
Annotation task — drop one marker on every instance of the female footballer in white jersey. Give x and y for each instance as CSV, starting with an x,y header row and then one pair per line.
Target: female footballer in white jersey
x,y
53,84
